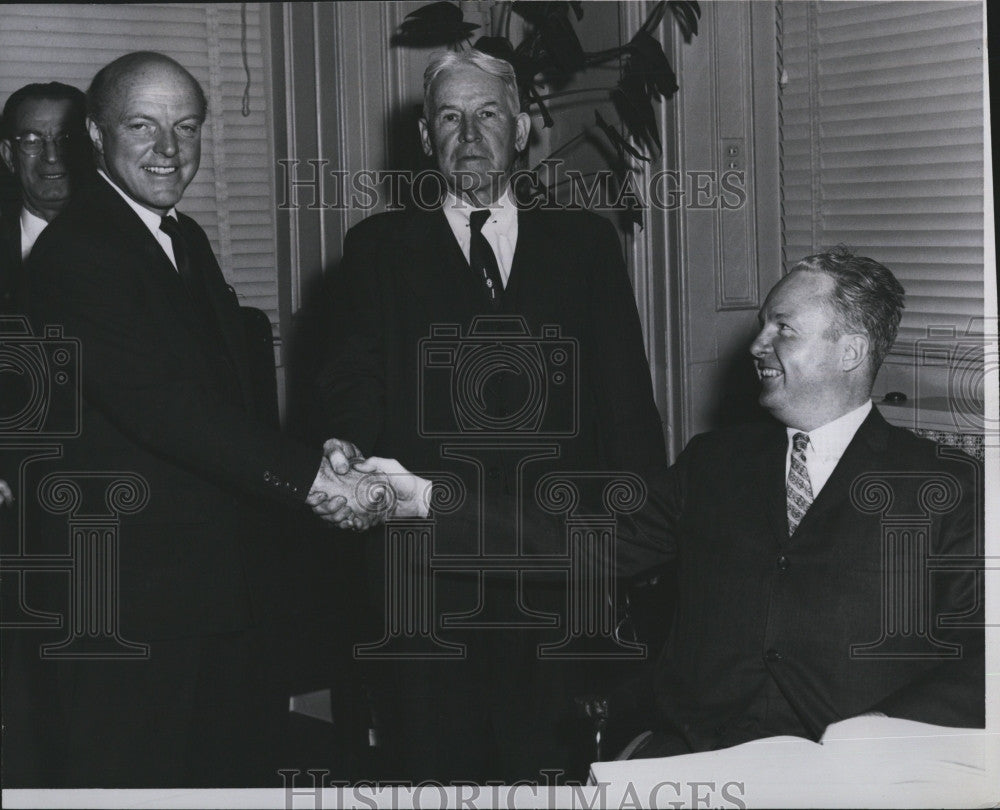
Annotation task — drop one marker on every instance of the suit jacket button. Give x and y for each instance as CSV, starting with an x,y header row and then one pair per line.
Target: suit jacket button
x,y
783,562
267,476
772,656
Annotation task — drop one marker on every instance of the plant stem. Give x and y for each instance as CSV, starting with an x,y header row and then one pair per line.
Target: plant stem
x,y
605,56
563,93
587,176
564,146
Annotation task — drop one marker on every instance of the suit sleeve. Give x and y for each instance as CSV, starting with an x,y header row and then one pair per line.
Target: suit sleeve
x,y
646,539
630,427
351,384
144,384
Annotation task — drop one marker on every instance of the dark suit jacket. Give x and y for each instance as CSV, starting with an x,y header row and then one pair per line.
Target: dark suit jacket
x,y
761,642
393,390
10,263
873,605
406,370
172,399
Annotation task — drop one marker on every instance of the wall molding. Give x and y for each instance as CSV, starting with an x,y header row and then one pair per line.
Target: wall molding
x,y
654,252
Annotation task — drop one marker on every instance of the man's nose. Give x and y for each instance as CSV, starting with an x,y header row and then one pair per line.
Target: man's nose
x,y
761,344
470,129
52,151
166,142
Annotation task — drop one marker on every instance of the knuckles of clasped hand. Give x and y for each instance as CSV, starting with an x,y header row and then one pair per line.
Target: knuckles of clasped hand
x,y
375,497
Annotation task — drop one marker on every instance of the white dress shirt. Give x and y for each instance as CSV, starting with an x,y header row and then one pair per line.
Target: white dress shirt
x,y
827,444
31,229
500,229
149,218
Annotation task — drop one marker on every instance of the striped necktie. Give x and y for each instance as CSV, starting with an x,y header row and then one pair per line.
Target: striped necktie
x,y
798,487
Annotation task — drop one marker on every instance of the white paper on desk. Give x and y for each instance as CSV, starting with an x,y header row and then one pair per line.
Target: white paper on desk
x,y
861,762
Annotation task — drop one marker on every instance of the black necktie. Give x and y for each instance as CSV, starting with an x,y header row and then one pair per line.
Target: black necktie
x,y
188,270
482,259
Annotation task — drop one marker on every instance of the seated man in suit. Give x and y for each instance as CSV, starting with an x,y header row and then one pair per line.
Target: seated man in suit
x,y
789,616
168,398
806,592
44,146
479,273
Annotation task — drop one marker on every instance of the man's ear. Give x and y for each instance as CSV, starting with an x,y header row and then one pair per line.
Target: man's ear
x,y
855,350
96,136
7,155
425,137
523,125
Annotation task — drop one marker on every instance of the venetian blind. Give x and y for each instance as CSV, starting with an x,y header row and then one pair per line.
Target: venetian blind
x,y
232,195
882,146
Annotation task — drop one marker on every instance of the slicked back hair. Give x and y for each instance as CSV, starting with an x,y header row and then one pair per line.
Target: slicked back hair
x,y
53,91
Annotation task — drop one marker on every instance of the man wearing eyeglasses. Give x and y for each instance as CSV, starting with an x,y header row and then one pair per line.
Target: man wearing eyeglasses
x,y
43,145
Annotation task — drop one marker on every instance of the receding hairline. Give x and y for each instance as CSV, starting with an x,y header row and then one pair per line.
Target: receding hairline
x,y
110,80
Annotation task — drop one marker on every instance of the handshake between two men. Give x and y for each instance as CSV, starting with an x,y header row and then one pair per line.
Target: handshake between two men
x,y
354,492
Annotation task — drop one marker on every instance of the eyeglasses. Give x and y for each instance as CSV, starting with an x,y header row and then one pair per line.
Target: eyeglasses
x,y
32,144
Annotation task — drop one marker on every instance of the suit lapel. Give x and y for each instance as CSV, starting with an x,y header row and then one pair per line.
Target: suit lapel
x,y
137,239
432,263
770,474
861,455
10,263
163,276
536,253
223,303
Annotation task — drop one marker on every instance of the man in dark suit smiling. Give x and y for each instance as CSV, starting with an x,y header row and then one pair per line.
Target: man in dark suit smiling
x,y
167,395
804,547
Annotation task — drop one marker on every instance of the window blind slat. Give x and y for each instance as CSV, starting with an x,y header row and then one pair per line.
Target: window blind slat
x,y
892,116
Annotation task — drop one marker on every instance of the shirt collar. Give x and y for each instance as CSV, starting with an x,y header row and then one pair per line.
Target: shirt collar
x,y
831,439
503,212
32,226
150,218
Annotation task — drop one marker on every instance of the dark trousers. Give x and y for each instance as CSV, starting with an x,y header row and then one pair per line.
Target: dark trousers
x,y
200,712
499,714
502,712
